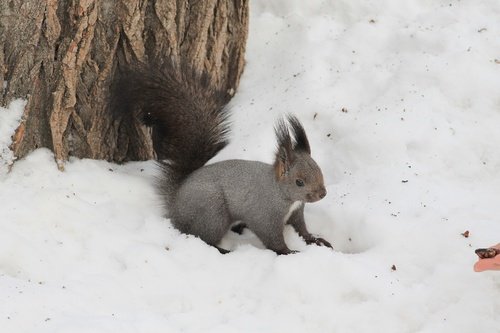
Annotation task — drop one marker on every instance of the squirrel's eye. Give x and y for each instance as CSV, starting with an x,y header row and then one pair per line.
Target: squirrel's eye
x,y
299,182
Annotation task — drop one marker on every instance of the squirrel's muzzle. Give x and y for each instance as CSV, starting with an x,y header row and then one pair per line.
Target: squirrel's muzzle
x,y
317,195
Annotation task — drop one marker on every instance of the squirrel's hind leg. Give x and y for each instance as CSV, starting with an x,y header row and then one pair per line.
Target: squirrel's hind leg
x,y
203,214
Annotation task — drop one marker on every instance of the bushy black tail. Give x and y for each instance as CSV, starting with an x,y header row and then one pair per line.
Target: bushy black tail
x,y
187,114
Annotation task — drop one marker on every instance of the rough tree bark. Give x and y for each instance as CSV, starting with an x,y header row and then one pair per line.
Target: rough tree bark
x,y
62,55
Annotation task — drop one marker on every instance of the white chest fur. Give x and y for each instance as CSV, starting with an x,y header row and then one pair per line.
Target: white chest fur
x,y
293,208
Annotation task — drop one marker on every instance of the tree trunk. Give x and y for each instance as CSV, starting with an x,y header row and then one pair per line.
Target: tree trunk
x,y
62,55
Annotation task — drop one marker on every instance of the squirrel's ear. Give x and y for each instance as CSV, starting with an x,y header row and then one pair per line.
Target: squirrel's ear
x,y
284,153
301,143
283,161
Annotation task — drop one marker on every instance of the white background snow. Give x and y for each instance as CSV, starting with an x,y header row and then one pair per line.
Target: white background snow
x,y
401,101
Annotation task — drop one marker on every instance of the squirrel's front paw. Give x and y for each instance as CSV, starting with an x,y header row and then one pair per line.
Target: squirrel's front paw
x,y
318,241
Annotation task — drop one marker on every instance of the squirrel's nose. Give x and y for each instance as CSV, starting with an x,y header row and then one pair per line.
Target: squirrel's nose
x,y
322,193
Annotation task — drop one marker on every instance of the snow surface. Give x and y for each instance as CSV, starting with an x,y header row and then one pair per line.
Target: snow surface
x,y
401,103
9,120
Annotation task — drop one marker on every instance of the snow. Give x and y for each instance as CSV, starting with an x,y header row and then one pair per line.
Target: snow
x,y
400,101
9,120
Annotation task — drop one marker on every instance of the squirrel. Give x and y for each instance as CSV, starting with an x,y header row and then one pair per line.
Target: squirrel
x,y
189,120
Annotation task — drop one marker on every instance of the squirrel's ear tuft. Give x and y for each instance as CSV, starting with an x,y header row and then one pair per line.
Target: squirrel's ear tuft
x,y
301,143
284,153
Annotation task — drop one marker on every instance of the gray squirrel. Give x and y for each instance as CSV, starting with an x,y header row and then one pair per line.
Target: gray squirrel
x,y
189,120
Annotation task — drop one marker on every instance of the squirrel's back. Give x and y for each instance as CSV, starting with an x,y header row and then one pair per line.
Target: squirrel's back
x,y
245,184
